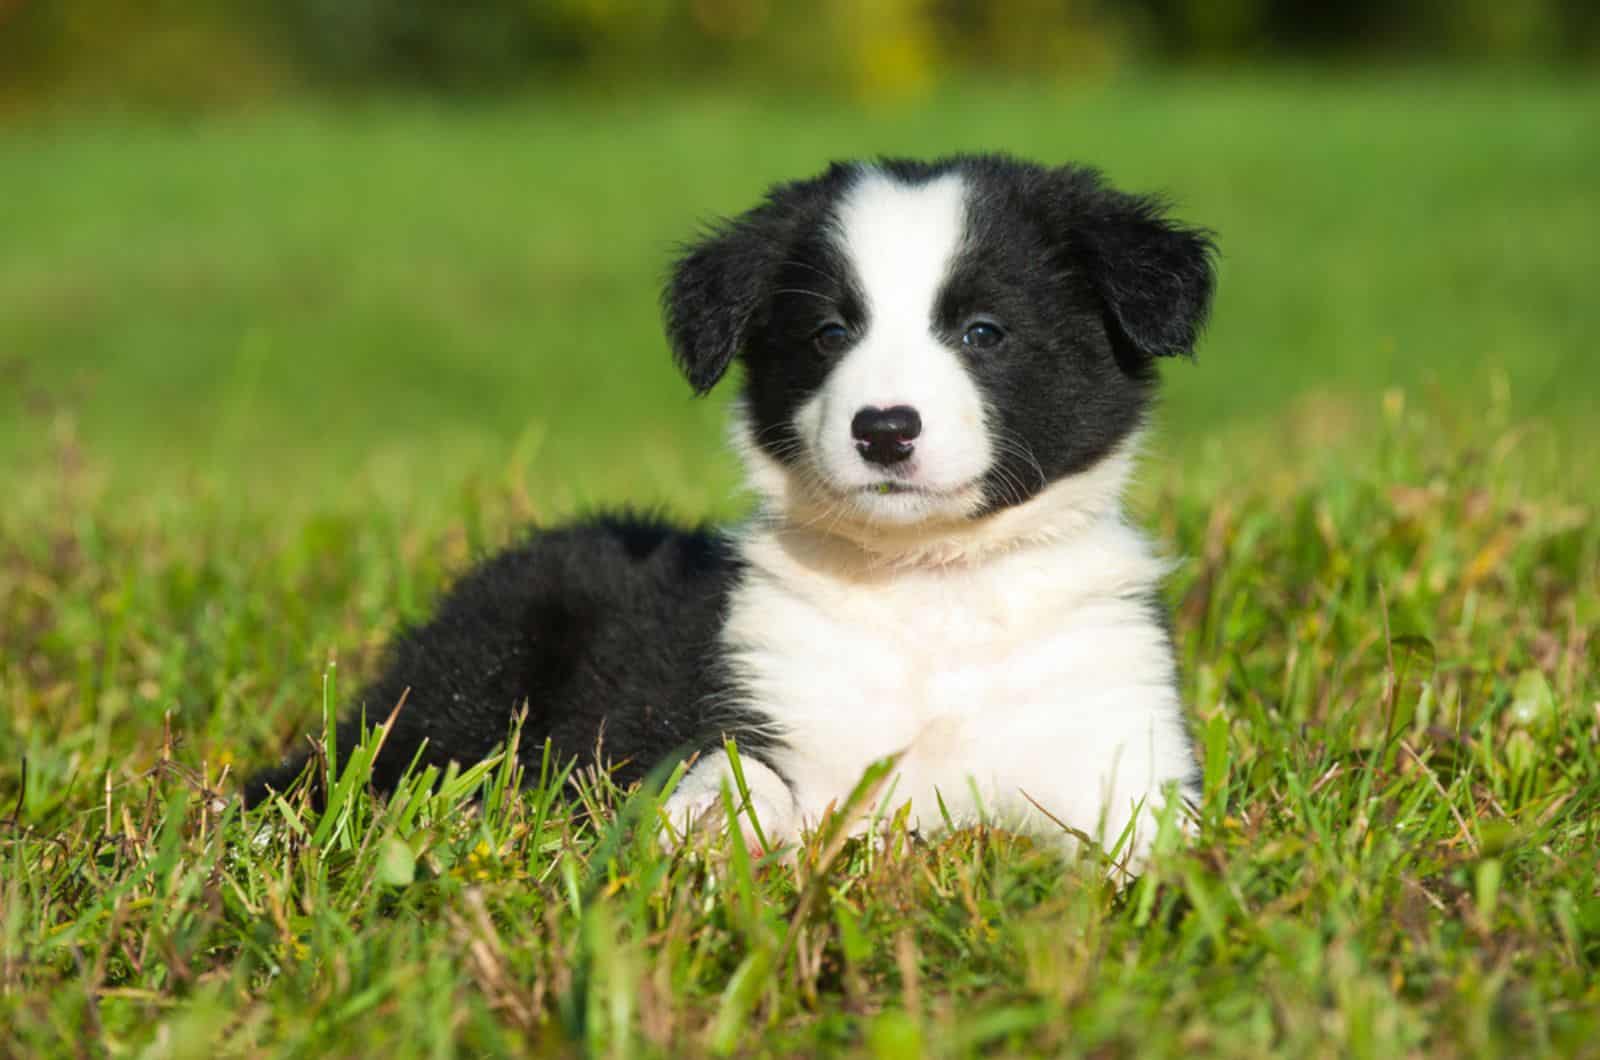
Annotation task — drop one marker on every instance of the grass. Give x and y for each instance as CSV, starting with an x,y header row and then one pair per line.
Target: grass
x,y
279,378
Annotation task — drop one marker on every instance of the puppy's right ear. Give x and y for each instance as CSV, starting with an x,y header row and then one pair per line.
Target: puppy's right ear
x,y
721,287
717,292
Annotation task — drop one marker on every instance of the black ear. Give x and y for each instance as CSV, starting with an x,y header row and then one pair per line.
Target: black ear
x,y
1154,276
717,291
722,284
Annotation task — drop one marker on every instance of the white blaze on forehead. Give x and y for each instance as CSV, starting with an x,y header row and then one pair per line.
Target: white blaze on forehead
x,y
901,239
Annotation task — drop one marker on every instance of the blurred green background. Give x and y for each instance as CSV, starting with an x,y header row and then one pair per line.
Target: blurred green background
x,y
317,248
184,52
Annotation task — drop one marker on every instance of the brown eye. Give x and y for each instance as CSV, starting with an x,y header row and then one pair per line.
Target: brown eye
x,y
831,338
982,335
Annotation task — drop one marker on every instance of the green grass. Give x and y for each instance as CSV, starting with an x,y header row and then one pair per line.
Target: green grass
x,y
269,382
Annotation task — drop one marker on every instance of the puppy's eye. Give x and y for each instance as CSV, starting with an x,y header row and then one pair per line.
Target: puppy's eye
x,y
831,338
982,335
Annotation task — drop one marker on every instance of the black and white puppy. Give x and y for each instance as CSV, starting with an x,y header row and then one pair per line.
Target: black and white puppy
x,y
947,365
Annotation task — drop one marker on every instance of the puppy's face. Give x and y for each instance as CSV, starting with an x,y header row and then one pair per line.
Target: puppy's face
x,y
930,344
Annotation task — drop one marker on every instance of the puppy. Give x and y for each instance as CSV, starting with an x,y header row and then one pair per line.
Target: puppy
x,y
946,368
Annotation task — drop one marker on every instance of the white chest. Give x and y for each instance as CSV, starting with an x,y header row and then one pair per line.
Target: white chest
x,y
1038,677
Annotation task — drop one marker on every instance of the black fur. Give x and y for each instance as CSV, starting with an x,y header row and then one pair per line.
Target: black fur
x,y
721,290
616,612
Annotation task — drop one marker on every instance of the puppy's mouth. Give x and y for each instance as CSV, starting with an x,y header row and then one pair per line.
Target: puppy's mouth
x,y
892,503
890,489
894,488
884,489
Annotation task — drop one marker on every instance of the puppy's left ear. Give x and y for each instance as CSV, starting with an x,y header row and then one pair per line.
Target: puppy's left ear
x,y
1154,276
717,291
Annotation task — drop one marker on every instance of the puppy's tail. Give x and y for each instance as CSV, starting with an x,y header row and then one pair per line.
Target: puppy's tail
x,y
281,778
305,770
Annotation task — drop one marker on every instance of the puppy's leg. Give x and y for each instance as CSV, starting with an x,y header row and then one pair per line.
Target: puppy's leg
x,y
697,801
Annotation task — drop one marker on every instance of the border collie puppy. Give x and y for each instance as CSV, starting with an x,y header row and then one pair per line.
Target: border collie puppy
x,y
947,365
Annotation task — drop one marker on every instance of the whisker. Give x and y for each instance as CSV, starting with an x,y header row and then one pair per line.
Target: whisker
x,y
814,294
1019,447
807,265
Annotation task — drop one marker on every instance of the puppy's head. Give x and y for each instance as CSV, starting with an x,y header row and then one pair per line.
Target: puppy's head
x,y
931,345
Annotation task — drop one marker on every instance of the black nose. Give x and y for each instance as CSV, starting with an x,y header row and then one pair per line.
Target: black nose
x,y
883,436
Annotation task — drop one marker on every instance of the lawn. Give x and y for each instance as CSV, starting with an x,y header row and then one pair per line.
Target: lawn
x,y
268,381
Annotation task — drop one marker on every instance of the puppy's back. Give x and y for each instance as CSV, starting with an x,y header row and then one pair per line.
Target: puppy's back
x,y
606,629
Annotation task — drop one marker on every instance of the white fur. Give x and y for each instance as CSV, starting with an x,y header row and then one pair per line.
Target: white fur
x,y
1016,667
900,241
1010,659
697,800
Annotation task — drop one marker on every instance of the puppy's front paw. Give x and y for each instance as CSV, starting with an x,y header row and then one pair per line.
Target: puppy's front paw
x,y
687,812
697,805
